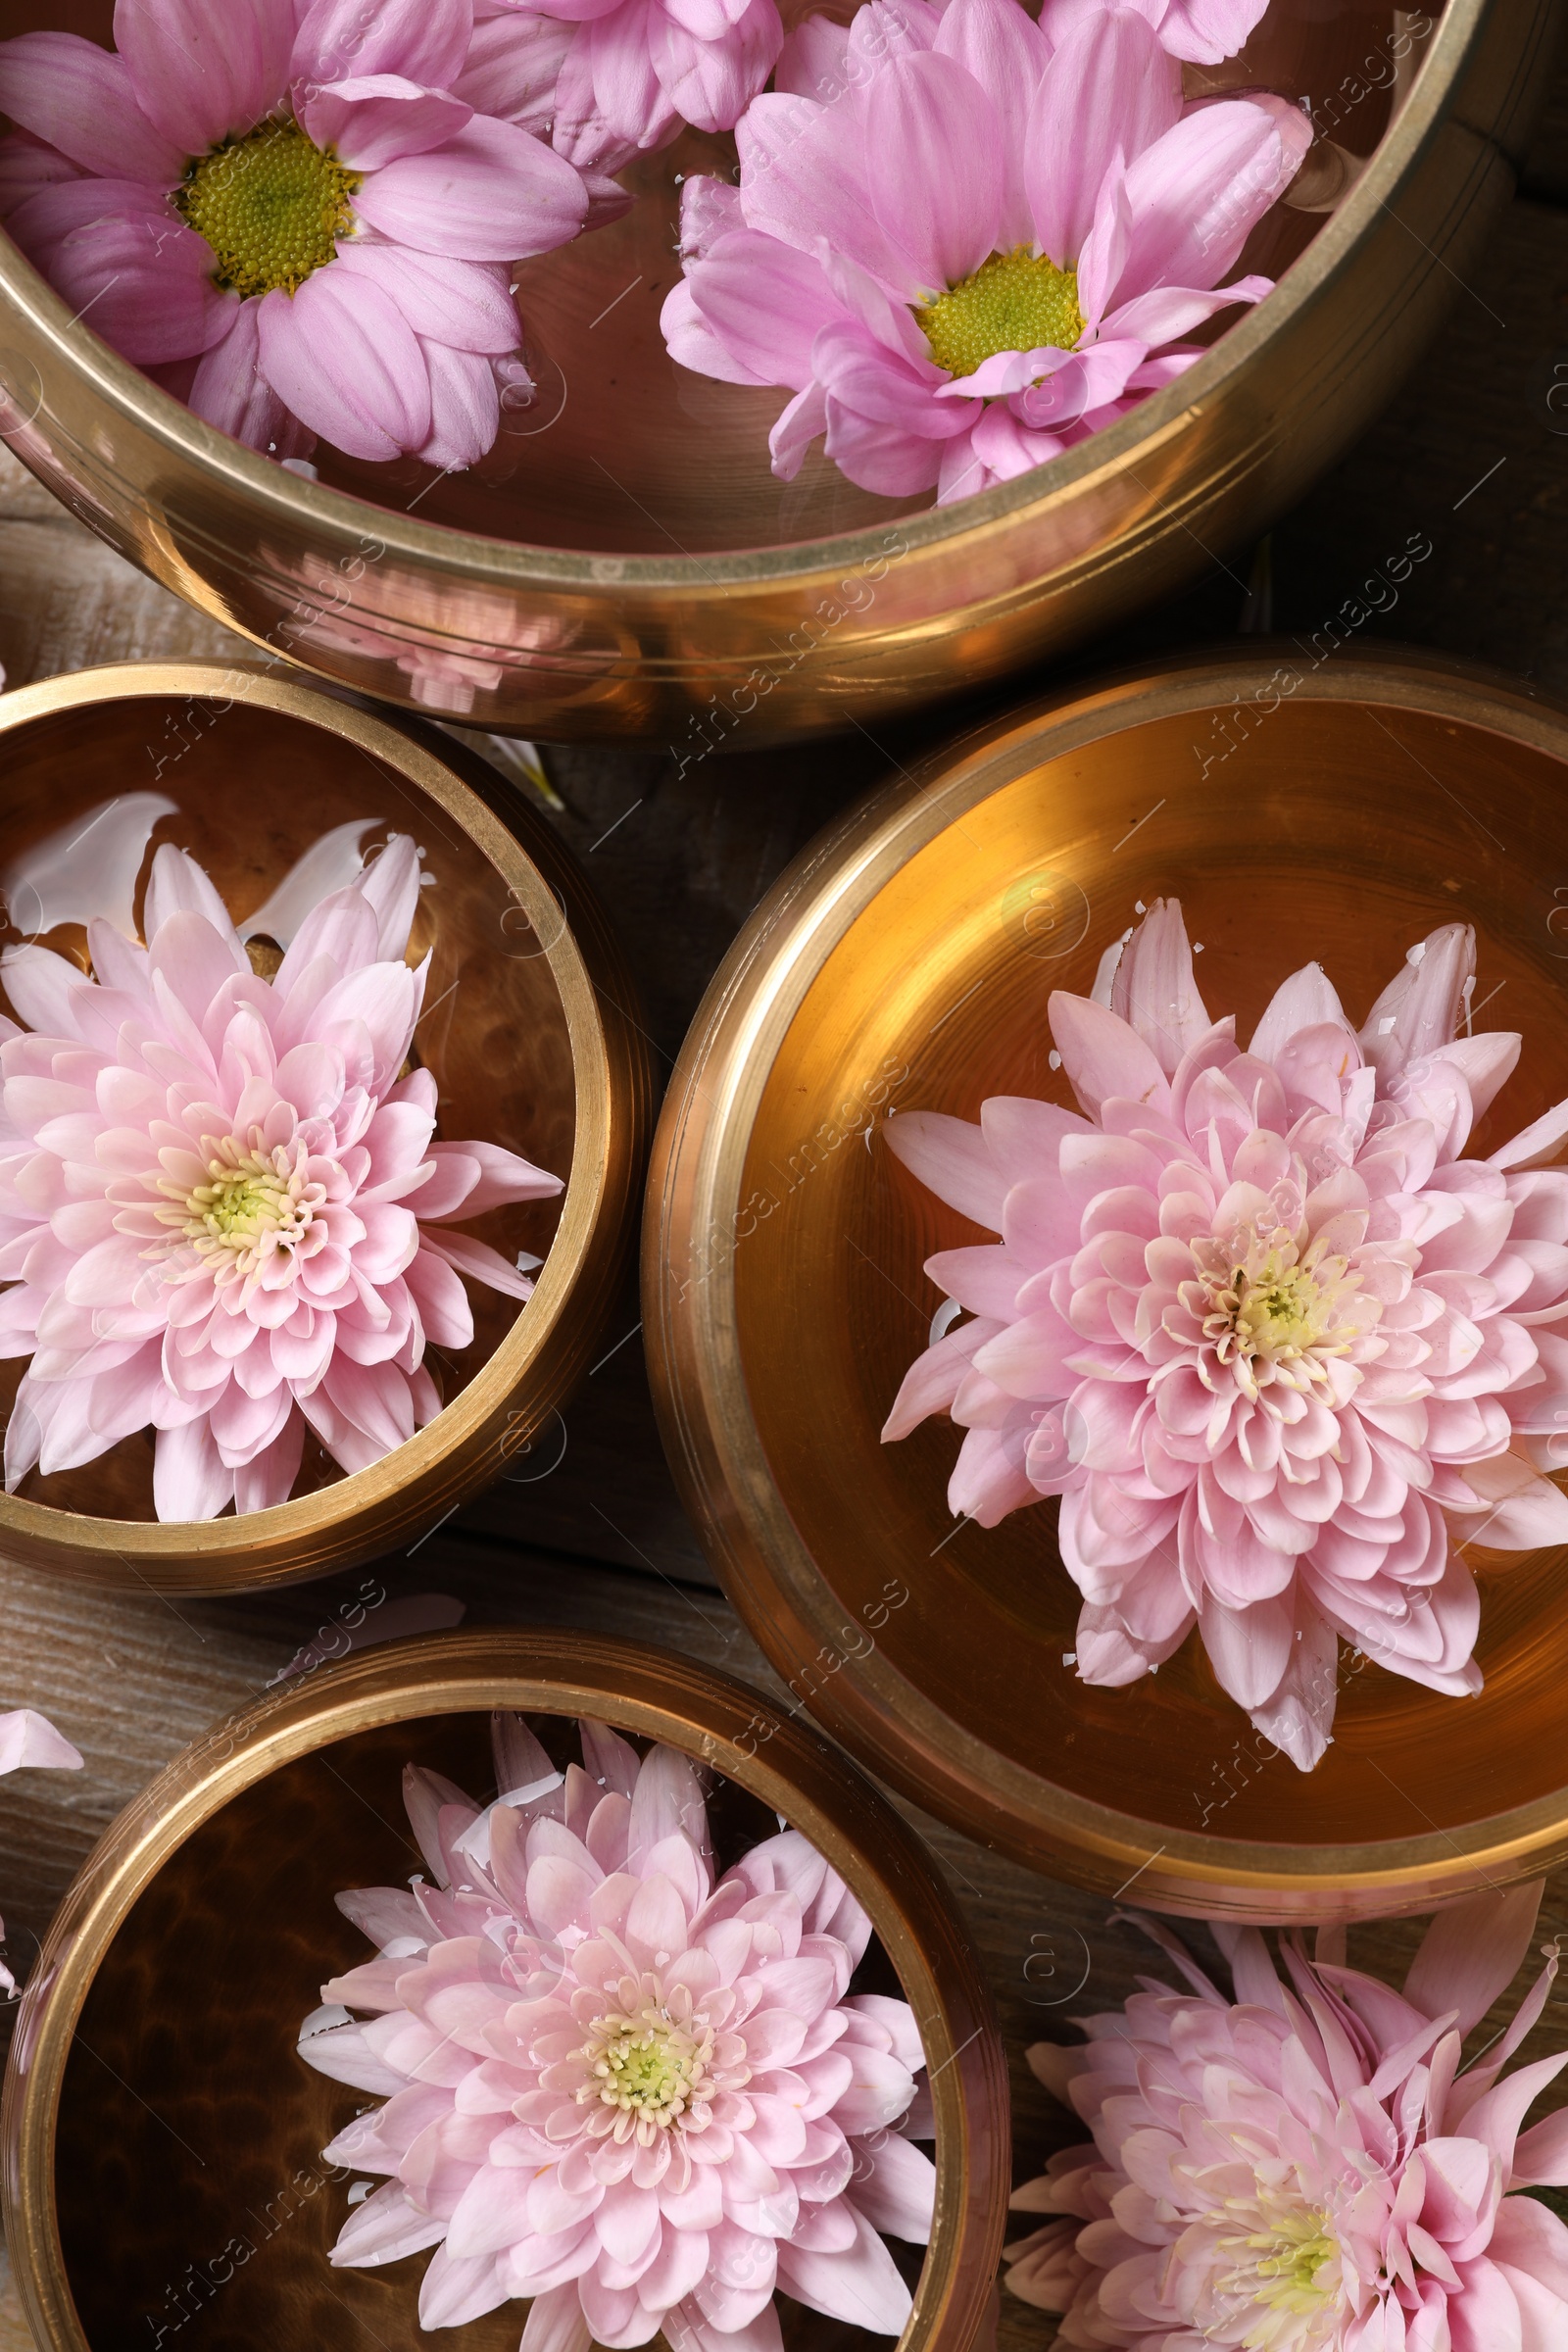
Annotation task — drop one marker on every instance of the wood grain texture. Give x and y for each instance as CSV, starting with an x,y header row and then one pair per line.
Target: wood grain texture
x,y
680,859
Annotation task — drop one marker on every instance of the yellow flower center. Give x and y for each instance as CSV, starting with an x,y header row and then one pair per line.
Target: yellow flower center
x,y
1286,2269
1275,1305
254,1204
1280,1310
648,2066
1016,301
271,206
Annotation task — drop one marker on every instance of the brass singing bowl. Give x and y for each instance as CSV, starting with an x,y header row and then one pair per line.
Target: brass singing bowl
x,y
624,565
528,1030
1335,812
157,2120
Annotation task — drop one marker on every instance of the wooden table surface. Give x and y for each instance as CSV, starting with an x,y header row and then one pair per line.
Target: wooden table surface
x,y
1469,453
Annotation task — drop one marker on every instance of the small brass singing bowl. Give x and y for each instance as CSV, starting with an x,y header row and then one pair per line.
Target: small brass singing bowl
x,y
1336,813
624,561
525,1029
162,2181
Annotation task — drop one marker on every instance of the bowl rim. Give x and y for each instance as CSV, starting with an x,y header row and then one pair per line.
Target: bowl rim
x,y
692,1228
636,1687
610,1103
283,498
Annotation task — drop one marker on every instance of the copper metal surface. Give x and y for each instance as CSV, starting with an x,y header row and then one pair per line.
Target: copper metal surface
x,y
161,2137
527,1031
624,565
907,960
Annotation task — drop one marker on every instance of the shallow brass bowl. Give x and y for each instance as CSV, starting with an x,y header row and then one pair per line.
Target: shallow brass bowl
x,y
528,1030
157,2121
1336,813
624,563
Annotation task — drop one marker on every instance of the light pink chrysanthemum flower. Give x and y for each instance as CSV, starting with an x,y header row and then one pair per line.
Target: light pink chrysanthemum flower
x,y
1307,2169
1259,1324
299,227
220,1209
636,2097
29,1738
979,252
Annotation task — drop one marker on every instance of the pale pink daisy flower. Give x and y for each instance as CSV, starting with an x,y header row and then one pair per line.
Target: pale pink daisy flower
x,y
300,228
638,2096
1259,1324
31,1739
221,1213
1307,2169
981,252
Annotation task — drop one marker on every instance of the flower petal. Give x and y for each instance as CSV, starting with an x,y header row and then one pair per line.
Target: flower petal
x,y
372,120
189,1477
204,70
347,364
764,303
1108,93
81,99
466,303
996,42
493,193
29,1738
230,392
1472,1953
938,191
337,38
1196,194
861,2286
710,80
465,407
804,178
117,251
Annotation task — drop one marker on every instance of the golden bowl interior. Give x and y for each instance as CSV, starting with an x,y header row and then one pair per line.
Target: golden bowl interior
x,y
621,449
250,792
910,967
184,2188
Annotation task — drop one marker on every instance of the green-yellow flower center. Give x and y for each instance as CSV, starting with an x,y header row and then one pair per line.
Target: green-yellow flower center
x,y
1285,2271
1282,1310
255,1204
1275,1305
237,1207
649,2066
1016,301
271,206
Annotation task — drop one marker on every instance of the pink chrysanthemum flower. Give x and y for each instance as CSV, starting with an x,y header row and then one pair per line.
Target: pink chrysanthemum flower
x,y
632,72
636,2097
980,251
219,1202
1258,1324
298,230
1306,2169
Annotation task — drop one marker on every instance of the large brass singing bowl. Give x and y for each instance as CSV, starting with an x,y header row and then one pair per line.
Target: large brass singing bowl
x,y
623,562
160,2137
530,1029
1337,813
